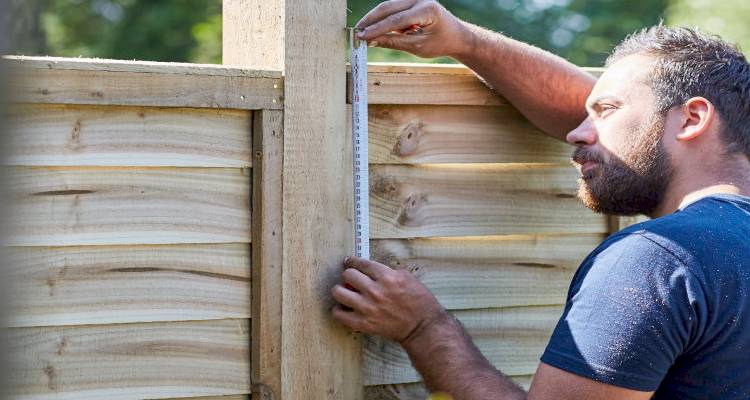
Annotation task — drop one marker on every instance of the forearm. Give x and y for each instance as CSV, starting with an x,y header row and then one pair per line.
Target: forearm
x,y
449,362
550,91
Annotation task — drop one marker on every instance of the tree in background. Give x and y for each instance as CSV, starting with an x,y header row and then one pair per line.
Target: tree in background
x,y
164,30
726,18
583,31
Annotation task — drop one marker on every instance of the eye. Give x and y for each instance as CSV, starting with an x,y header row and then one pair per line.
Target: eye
x,y
605,109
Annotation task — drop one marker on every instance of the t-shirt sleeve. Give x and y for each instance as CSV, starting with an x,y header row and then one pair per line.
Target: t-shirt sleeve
x,y
631,312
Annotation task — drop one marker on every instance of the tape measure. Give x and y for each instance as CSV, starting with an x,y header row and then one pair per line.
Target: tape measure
x,y
359,143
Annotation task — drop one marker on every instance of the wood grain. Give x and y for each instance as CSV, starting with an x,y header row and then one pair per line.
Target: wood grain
x,y
415,134
54,206
477,199
130,361
429,88
74,135
431,84
491,271
117,284
253,34
235,397
512,339
41,80
417,391
267,230
150,67
321,359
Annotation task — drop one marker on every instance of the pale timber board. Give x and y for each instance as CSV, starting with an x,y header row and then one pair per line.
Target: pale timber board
x,y
445,69
154,67
430,84
428,88
130,361
417,391
512,339
75,135
477,199
253,34
413,134
321,359
56,206
491,271
79,285
231,397
42,81
267,249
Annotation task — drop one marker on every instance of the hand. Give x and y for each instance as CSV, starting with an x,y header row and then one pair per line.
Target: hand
x,y
442,34
382,301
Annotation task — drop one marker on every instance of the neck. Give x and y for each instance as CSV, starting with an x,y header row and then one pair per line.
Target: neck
x,y
689,187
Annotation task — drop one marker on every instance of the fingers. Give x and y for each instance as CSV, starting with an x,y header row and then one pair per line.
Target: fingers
x,y
395,41
358,280
350,319
373,269
395,22
383,10
347,297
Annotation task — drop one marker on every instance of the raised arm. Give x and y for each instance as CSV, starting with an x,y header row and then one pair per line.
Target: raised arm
x,y
548,90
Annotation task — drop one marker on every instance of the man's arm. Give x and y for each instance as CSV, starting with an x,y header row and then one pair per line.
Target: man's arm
x,y
393,304
548,90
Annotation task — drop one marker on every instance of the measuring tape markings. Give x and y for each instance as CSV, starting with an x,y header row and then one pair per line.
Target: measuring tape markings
x,y
360,149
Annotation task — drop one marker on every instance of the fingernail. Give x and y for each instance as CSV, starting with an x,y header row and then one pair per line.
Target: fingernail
x,y
372,44
346,259
360,33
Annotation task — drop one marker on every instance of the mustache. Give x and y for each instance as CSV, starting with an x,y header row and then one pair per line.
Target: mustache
x,y
581,156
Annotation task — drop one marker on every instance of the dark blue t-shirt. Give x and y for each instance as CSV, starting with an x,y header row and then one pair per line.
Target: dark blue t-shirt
x,y
664,305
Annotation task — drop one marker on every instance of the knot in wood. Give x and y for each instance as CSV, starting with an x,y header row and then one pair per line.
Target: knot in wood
x,y
384,186
408,140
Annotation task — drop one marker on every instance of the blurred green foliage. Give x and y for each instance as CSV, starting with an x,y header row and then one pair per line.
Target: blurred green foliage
x,y
583,31
163,30
728,18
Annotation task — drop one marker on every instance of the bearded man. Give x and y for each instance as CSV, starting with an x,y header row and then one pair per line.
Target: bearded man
x,y
660,309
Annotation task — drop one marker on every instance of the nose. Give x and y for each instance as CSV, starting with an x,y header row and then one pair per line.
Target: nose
x,y
585,134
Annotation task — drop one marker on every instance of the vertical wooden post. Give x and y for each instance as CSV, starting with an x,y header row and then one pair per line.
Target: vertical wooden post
x,y
319,360
268,149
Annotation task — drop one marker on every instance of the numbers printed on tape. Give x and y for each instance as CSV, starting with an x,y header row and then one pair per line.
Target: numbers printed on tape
x,y
360,151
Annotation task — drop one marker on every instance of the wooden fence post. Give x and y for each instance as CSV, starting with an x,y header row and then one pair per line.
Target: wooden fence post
x,y
305,39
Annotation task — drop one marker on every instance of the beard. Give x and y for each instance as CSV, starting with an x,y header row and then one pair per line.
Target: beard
x,y
636,183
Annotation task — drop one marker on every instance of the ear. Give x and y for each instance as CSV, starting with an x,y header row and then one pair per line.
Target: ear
x,y
697,116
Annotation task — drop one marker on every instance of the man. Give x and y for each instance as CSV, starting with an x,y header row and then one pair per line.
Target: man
x,y
660,309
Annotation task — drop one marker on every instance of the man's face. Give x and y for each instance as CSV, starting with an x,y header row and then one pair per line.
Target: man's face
x,y
625,168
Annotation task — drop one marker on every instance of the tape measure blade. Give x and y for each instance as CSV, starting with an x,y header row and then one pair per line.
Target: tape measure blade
x,y
360,148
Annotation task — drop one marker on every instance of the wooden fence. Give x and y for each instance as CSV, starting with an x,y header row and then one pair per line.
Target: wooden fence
x,y
136,190
130,226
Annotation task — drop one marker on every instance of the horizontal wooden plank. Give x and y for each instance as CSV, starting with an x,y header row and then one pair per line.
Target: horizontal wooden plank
x,y
446,69
130,361
103,64
43,80
56,206
493,271
430,84
512,339
117,284
477,199
70,135
417,391
458,134
234,397
428,88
